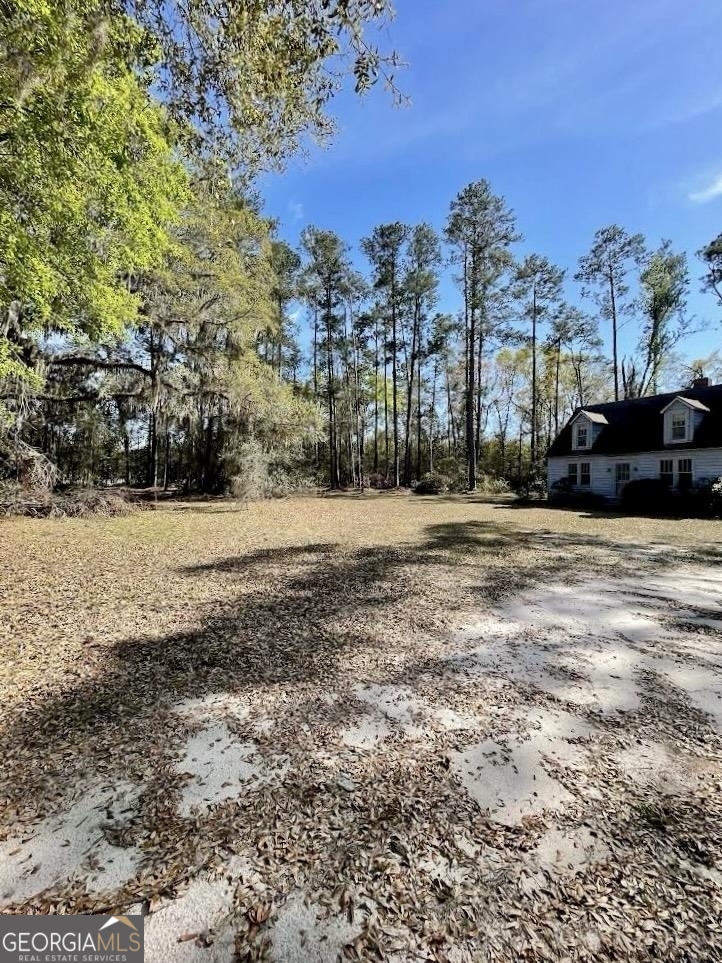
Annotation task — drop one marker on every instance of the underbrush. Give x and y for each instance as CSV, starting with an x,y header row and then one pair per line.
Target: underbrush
x,y
82,503
438,483
257,473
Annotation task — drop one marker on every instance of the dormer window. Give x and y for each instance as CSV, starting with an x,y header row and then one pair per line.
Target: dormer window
x,y
679,426
581,435
586,426
682,417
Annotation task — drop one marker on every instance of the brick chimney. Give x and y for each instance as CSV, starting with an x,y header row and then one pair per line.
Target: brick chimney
x,y
700,383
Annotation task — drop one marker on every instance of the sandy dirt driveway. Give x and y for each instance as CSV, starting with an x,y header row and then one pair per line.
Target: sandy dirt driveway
x,y
379,729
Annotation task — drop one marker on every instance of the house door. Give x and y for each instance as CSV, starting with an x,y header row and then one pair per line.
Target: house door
x,y
621,476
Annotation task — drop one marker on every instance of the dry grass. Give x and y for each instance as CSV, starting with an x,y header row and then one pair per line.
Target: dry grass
x,y
108,625
72,581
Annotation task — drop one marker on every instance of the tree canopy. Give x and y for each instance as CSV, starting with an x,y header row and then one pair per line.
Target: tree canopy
x,y
156,329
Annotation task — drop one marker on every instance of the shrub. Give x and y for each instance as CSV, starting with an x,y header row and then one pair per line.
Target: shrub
x,y
455,472
560,490
379,481
288,480
705,498
715,497
563,493
535,486
432,483
256,473
491,485
649,496
83,503
251,478
646,495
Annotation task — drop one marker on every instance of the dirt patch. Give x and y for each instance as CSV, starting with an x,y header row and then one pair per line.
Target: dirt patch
x,y
218,767
73,844
298,934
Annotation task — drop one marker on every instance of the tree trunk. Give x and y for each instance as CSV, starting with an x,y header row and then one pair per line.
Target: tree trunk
x,y
451,433
357,411
432,412
410,395
394,375
418,423
333,452
556,386
613,304
376,396
470,399
152,450
534,423
126,453
166,462
502,441
386,405
478,391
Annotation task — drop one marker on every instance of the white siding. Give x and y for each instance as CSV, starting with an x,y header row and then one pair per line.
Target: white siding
x,y
706,463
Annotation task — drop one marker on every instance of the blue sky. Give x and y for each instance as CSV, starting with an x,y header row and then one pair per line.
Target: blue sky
x,y
581,113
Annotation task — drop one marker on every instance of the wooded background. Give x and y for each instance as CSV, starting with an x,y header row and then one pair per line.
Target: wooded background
x,y
156,331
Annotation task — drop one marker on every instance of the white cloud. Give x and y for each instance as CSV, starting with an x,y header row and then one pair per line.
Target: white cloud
x,y
708,193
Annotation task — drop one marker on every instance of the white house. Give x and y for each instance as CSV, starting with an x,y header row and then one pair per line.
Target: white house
x,y
675,437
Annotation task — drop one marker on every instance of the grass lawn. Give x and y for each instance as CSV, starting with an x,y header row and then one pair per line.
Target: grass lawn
x,y
383,727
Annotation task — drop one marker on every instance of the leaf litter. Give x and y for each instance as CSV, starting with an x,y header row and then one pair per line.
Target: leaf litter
x,y
367,729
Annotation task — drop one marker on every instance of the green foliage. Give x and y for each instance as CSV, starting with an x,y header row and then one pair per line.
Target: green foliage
x,y
538,287
491,485
88,180
711,256
663,297
255,78
168,298
432,483
650,496
480,229
564,494
604,273
605,269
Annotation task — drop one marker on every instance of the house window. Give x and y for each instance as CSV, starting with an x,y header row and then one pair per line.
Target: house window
x,y
666,472
581,435
572,473
684,474
621,475
585,474
679,427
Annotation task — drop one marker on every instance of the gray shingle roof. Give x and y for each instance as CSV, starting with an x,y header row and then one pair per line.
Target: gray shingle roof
x,y
637,424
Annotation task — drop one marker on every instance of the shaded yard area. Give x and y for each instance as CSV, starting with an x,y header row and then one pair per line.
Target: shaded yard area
x,y
379,728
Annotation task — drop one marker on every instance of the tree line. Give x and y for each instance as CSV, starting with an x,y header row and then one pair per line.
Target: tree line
x,y
156,331
406,389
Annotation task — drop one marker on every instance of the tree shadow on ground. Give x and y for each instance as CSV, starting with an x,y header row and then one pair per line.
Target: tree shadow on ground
x,y
289,617
579,510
